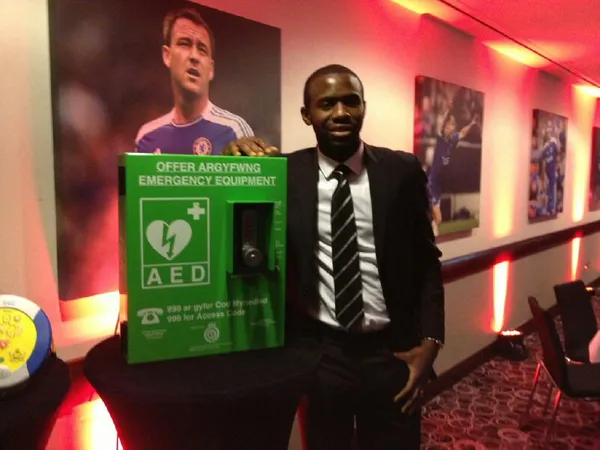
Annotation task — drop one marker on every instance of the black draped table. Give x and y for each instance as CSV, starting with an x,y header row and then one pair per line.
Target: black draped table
x,y
238,401
28,414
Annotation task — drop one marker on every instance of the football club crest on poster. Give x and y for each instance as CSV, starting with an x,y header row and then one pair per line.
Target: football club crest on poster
x,y
202,146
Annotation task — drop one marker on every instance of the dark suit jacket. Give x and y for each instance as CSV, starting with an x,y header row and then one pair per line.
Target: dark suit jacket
x,y
407,256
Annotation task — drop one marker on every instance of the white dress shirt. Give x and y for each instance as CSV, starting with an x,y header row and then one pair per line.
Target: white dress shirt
x,y
376,316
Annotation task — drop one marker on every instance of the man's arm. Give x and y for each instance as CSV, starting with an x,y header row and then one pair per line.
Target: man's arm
x,y
141,146
543,165
420,359
245,131
465,130
147,146
431,295
143,142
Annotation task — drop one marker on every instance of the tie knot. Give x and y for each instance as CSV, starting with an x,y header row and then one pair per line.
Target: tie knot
x,y
341,172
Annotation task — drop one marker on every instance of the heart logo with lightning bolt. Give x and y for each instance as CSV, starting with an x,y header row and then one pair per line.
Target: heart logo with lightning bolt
x,y
169,240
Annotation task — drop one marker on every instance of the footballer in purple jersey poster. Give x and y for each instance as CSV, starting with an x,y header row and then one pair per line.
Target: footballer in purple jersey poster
x,y
447,141
160,76
594,195
547,165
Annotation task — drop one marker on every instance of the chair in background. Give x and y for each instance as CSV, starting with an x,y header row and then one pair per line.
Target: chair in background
x,y
575,381
578,319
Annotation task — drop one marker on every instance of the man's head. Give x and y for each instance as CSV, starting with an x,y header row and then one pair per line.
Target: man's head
x,y
549,131
335,107
449,126
188,51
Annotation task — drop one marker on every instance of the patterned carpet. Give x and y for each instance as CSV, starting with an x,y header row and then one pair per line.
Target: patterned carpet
x,y
482,410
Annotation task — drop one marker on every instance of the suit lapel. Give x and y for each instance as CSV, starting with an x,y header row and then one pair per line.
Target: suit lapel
x,y
307,199
381,196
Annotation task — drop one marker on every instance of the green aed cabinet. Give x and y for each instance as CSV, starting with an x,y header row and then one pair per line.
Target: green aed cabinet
x,y
202,254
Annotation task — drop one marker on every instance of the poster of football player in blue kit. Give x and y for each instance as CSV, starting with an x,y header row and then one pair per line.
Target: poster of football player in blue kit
x,y
160,76
594,203
547,165
448,124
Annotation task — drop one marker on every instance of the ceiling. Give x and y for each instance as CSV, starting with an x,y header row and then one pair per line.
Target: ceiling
x,y
564,31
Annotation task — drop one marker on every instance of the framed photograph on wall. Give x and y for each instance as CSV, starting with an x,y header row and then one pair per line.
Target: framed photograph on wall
x,y
594,194
167,76
547,165
448,142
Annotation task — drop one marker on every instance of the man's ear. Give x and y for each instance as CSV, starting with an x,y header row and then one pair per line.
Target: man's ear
x,y
211,74
305,116
166,55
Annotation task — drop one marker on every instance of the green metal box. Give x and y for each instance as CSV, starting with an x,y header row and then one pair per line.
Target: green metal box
x,y
202,254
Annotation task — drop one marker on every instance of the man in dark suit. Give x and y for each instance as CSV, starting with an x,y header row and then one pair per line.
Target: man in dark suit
x,y
364,275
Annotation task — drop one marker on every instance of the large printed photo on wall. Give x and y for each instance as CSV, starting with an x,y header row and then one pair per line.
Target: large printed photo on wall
x,y
166,76
547,165
594,195
448,124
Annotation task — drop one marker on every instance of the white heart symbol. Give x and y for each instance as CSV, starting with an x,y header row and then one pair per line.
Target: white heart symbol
x,y
169,240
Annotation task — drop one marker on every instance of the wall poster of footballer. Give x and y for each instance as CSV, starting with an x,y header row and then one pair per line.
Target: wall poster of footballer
x,y
160,76
594,192
448,142
547,165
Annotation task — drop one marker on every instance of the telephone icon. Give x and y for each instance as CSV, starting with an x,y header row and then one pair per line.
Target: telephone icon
x,y
150,315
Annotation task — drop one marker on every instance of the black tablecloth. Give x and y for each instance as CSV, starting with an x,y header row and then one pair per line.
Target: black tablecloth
x,y
28,414
244,400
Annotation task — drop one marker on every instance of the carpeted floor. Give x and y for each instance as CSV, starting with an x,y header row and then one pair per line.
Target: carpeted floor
x,y
482,411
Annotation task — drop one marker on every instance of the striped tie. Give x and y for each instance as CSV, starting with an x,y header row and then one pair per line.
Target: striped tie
x,y
346,269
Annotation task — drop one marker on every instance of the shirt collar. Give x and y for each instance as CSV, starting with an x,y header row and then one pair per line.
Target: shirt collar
x,y
205,113
355,163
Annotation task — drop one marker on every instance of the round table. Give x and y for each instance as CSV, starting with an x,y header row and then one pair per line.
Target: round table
x,y
226,402
27,415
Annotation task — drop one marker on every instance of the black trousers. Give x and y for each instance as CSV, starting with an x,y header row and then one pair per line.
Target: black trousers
x,y
355,387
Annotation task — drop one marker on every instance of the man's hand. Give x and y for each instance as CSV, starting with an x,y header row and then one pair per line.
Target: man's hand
x,y
250,146
420,362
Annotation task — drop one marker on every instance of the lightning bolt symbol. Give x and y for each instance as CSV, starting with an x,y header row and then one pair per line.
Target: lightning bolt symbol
x,y
168,240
